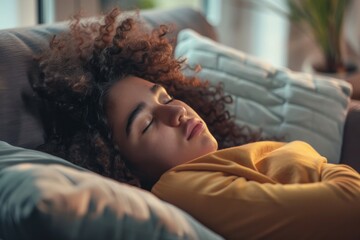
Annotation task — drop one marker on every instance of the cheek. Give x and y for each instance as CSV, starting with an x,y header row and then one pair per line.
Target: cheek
x,y
164,144
171,149
155,151
166,148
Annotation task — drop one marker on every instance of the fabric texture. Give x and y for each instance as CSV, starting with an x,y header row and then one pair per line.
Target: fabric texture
x,y
282,103
45,197
267,190
350,152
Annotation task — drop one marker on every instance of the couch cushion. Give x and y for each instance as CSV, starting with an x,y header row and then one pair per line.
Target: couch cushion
x,y
45,197
17,49
283,103
350,153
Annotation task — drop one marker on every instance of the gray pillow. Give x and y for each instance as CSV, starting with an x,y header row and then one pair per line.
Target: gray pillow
x,y
45,197
289,105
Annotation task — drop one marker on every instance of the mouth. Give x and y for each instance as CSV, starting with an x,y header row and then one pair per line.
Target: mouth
x,y
194,128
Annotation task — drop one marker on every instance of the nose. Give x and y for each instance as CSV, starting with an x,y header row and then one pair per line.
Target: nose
x,y
170,115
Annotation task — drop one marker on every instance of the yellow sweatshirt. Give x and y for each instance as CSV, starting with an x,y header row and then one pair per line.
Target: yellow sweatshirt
x,y
267,190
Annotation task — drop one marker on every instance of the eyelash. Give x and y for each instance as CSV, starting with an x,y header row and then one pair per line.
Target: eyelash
x,y
152,120
170,100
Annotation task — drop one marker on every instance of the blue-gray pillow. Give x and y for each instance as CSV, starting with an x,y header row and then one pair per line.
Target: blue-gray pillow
x,y
286,104
45,197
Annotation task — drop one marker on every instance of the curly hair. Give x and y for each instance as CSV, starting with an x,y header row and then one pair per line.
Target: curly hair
x,y
79,68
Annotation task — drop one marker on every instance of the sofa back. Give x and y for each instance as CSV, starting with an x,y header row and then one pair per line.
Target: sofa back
x,y
19,121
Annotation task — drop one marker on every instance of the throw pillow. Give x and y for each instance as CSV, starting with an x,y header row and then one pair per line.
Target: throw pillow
x,y
45,197
282,103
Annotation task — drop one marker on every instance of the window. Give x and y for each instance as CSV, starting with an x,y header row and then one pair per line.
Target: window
x,y
18,13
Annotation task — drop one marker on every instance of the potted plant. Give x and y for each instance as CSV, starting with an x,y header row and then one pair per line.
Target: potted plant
x,y
324,20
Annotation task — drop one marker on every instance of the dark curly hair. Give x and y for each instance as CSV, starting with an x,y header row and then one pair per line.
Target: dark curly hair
x,y
79,68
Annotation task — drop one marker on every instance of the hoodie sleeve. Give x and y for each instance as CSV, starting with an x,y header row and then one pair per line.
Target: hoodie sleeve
x,y
267,190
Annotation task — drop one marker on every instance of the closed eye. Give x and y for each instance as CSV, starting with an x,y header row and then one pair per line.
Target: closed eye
x,y
152,120
147,127
169,100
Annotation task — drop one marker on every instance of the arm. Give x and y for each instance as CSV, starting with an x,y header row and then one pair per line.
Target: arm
x,y
326,207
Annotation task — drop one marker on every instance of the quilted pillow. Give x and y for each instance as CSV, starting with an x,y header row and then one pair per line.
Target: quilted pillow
x,y
280,102
44,197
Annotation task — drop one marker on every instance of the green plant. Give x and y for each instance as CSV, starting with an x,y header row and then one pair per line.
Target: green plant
x,y
146,4
324,20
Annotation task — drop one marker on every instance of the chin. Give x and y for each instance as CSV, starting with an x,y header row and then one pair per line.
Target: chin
x,y
211,146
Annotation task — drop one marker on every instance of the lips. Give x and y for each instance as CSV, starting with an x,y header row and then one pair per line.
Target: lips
x,y
193,128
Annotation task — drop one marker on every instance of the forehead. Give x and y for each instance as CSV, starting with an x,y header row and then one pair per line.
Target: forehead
x,y
128,90
129,85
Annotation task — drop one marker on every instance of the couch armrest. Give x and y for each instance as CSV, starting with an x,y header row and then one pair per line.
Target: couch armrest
x,y
350,153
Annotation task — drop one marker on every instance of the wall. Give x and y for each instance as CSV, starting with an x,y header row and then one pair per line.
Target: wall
x,y
17,13
255,29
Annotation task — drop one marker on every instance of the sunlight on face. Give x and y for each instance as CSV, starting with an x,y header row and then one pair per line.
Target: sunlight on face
x,y
154,131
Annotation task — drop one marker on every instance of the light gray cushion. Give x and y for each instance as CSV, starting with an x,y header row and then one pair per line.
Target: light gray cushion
x,y
45,197
283,103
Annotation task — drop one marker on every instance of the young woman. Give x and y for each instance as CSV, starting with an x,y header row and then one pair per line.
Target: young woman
x,y
77,76
120,106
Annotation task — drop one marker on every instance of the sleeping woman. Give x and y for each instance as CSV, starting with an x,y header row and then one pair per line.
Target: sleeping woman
x,y
118,104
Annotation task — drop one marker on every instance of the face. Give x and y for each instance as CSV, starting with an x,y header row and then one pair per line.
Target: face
x,y
154,131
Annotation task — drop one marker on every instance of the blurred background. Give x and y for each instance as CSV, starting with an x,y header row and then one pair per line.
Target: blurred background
x,y
257,27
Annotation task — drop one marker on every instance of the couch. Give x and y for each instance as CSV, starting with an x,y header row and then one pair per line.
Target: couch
x,y
20,122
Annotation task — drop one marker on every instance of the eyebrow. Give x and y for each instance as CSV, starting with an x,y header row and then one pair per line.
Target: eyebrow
x,y
137,110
